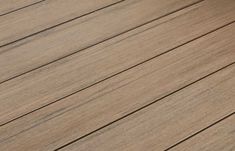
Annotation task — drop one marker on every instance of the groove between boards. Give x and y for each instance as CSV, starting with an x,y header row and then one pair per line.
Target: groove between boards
x,y
118,73
92,44
198,132
18,9
144,107
33,34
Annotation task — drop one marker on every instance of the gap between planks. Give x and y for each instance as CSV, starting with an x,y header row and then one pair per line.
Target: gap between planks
x,y
204,130
38,107
19,67
198,50
8,10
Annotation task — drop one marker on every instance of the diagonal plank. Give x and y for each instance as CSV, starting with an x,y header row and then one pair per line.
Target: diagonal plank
x,y
8,6
45,15
173,118
220,137
78,115
78,34
78,72
54,12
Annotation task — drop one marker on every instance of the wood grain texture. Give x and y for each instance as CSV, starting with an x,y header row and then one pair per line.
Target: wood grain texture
x,y
78,115
7,6
45,15
220,137
172,119
82,70
74,36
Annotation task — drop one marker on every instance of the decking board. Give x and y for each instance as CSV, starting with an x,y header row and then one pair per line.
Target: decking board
x,y
54,44
169,120
88,110
111,75
45,15
9,6
219,137
75,73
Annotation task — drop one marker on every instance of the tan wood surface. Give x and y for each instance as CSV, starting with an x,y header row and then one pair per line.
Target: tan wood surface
x,y
81,70
45,15
220,137
169,120
108,101
117,75
74,36
8,6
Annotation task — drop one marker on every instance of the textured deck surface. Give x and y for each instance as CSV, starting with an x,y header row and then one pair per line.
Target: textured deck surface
x,y
117,75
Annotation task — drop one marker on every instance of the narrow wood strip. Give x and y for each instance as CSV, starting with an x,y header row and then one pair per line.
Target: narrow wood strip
x,y
78,72
72,37
220,137
167,121
47,14
9,6
78,115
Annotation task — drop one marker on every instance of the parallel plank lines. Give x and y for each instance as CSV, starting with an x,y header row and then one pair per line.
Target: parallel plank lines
x,y
199,132
73,74
220,137
166,122
44,15
78,35
10,6
123,94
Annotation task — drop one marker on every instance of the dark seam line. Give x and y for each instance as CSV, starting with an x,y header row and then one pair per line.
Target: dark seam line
x,y
204,129
21,8
61,23
114,75
96,43
144,107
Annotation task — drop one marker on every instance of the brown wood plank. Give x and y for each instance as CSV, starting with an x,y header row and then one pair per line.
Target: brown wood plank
x,y
75,73
58,42
7,6
88,110
220,137
45,15
170,120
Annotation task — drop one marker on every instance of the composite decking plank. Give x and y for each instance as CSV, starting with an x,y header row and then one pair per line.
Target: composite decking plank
x,y
8,6
219,137
56,43
45,15
164,123
68,76
78,115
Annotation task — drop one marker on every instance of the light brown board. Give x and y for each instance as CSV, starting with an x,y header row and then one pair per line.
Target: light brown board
x,y
41,87
88,110
165,123
220,137
8,6
53,44
45,15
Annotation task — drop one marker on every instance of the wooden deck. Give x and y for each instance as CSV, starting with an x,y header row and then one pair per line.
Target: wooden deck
x,y
117,75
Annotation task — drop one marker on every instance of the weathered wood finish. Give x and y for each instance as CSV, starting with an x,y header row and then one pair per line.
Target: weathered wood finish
x,y
111,75
220,137
9,6
169,120
74,36
81,70
108,101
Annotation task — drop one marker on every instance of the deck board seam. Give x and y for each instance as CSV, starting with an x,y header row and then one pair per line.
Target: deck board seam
x,y
200,131
119,73
18,9
146,23
54,26
144,107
